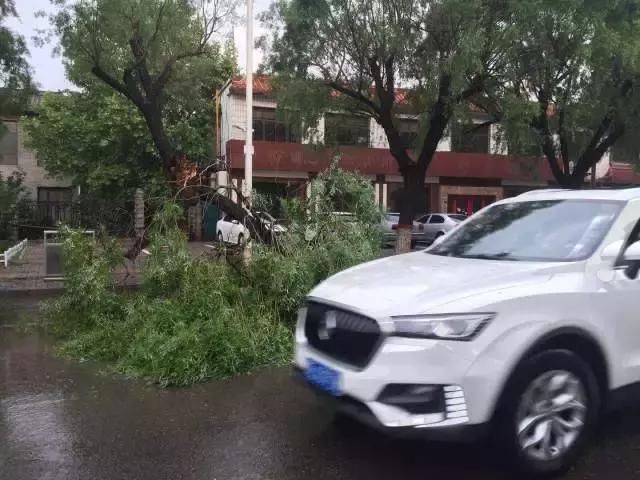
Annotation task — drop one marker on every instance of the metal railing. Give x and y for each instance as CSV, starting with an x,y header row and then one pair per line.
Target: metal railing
x,y
31,218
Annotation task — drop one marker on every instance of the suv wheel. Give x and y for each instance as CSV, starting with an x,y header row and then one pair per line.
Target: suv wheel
x,y
548,411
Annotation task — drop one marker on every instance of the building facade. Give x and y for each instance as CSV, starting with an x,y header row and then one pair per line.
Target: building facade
x,y
16,156
471,168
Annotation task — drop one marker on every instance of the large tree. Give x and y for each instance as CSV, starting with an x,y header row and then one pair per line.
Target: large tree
x,y
108,150
445,53
147,51
571,87
16,83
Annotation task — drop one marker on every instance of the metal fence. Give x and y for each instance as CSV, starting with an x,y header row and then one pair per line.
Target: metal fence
x,y
30,219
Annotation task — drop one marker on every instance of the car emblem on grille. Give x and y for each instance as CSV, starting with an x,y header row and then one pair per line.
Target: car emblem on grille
x,y
327,326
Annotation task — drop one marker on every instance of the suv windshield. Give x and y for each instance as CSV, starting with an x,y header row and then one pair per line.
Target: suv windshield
x,y
547,230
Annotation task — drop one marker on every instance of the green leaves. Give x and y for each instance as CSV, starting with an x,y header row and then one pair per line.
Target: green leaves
x,y
96,138
13,195
158,55
196,318
15,73
576,63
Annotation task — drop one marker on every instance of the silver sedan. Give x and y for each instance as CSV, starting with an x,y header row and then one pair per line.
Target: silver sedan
x,y
435,225
389,229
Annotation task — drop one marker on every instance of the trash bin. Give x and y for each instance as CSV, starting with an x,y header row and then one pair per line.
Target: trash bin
x,y
53,253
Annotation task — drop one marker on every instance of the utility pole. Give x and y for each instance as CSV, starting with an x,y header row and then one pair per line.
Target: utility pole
x,y
248,146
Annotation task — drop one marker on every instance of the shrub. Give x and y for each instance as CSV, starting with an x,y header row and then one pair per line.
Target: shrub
x,y
196,318
13,201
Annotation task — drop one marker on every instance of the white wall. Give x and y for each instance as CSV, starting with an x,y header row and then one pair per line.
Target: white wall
x,y
377,137
602,167
35,176
234,115
496,144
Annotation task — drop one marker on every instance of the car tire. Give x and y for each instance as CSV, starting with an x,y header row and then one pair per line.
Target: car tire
x,y
240,239
439,234
536,441
220,238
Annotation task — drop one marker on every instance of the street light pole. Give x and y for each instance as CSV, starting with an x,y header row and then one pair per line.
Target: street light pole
x,y
248,146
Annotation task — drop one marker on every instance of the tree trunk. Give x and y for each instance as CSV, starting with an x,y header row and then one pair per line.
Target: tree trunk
x,y
153,117
411,195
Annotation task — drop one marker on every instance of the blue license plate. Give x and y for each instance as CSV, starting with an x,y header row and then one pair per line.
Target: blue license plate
x,y
323,377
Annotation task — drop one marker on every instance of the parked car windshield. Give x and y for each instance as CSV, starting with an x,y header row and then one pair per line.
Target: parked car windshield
x,y
547,230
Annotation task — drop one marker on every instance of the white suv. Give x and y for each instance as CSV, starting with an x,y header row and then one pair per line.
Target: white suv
x,y
523,320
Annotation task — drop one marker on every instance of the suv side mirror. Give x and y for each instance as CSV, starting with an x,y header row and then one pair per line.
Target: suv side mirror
x,y
611,251
632,254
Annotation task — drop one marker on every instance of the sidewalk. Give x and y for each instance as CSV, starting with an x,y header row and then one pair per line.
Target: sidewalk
x,y
29,272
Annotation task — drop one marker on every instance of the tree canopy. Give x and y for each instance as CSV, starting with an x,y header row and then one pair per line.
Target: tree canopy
x,y
559,76
161,55
97,138
109,136
570,88
443,54
16,83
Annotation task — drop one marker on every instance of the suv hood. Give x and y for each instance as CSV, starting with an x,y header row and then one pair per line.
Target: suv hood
x,y
417,282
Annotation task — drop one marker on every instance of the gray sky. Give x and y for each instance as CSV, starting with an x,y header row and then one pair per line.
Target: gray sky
x,y
48,69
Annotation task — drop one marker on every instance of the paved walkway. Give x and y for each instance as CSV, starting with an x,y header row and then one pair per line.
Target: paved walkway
x,y
29,272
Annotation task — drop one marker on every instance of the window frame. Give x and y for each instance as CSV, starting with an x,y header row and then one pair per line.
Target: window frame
x,y
347,123
267,117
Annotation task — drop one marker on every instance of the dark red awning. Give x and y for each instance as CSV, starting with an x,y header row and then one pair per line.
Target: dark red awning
x,y
294,157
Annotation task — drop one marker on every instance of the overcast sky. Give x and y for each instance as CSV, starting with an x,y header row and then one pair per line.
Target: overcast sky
x,y
49,70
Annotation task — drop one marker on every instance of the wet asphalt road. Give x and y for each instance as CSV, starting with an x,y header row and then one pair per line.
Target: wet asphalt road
x,y
61,419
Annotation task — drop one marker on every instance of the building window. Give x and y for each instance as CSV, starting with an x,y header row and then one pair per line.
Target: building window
x,y
470,138
408,129
54,194
346,130
269,126
9,144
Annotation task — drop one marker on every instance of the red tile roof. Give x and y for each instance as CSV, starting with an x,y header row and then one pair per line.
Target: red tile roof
x,y
261,85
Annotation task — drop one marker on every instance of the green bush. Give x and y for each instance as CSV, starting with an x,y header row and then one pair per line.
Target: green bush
x,y
197,318
13,202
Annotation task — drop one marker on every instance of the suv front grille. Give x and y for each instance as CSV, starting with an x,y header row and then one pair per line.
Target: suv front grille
x,y
346,336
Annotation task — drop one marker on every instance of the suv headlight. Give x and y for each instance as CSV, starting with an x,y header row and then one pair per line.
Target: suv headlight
x,y
453,326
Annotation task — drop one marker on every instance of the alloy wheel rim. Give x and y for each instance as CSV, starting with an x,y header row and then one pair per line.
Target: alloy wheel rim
x,y
551,415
